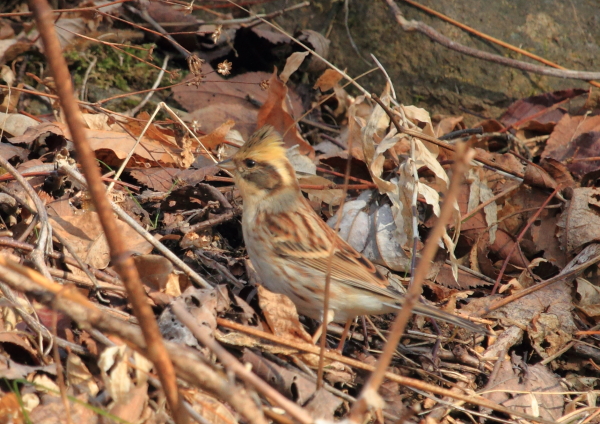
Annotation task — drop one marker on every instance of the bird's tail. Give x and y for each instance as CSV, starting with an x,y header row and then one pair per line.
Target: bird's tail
x,y
432,312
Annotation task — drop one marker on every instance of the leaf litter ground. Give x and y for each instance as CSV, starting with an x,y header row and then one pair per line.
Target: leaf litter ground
x,y
541,359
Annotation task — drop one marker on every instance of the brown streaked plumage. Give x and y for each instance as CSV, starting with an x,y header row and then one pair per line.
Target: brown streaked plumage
x,y
289,244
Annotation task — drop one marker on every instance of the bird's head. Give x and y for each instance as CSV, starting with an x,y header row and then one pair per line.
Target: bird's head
x,y
261,168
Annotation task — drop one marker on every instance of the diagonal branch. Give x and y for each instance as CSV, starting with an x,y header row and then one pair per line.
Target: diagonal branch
x,y
119,256
480,54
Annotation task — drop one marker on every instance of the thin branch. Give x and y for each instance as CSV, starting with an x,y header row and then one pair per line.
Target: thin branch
x,y
159,78
121,259
479,54
231,363
491,39
44,241
73,173
369,391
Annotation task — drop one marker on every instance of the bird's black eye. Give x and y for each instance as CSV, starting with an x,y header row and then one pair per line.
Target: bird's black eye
x,y
250,163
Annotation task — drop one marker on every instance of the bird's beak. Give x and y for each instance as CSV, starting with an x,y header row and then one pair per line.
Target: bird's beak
x,y
227,164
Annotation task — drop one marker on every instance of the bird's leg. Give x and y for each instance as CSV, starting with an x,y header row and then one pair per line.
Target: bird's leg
x,y
340,347
325,323
315,337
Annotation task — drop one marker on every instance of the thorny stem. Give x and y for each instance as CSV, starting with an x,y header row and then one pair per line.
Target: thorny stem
x,y
369,397
119,256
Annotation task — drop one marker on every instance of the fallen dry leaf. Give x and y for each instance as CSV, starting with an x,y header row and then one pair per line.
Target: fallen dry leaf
x,y
328,80
86,236
292,64
276,112
523,387
280,313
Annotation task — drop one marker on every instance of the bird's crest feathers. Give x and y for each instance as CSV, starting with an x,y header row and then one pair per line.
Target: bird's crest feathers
x,y
265,145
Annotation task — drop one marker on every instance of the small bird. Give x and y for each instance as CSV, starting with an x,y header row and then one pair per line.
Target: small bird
x,y
290,245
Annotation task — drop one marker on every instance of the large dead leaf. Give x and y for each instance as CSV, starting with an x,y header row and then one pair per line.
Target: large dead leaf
x,y
277,111
218,100
292,64
210,408
522,387
112,147
523,108
86,236
328,80
579,223
13,124
373,232
573,138
280,313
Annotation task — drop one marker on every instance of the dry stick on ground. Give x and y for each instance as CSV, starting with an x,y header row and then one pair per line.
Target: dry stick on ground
x,y
159,78
45,236
191,366
565,275
211,222
60,11
122,261
73,173
479,54
328,273
231,363
369,392
503,193
5,241
489,38
405,381
521,235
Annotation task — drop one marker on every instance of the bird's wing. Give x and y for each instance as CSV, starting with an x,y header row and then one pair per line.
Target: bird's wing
x,y
347,265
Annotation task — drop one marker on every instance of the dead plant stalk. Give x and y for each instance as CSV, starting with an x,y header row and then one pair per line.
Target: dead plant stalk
x,y
119,256
368,397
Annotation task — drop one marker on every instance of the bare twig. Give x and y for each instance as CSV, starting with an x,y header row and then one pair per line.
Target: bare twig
x,y
73,173
44,241
119,256
143,13
491,39
479,54
369,391
159,78
5,241
230,362
224,217
86,76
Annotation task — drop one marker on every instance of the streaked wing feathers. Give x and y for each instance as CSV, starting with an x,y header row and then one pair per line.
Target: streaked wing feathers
x,y
347,265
